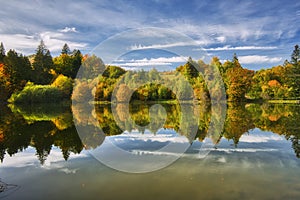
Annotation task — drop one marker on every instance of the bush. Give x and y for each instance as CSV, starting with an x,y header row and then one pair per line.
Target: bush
x,y
37,94
65,84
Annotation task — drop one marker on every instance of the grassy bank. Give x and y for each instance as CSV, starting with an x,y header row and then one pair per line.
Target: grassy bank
x,y
284,101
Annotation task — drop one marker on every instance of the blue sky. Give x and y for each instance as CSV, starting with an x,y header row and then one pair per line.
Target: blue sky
x,y
261,33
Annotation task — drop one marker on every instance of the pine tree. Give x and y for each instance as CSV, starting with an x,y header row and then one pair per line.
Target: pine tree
x,y
18,69
234,58
2,52
295,72
77,61
42,64
235,61
295,55
65,49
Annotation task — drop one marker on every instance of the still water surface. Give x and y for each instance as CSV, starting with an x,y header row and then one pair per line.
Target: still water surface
x,y
254,156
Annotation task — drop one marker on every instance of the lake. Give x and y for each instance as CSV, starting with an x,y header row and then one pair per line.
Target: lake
x,y
168,151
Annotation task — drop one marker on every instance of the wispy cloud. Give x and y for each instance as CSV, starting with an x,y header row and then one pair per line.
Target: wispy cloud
x,y
26,43
163,46
258,59
55,41
136,137
28,157
247,23
230,48
256,138
245,150
161,61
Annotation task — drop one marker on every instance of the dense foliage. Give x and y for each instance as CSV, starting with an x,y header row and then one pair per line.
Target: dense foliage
x,y
193,80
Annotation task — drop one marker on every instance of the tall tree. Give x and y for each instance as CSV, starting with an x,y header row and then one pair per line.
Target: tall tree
x,y
68,63
294,72
238,83
65,49
91,68
235,61
42,64
17,70
76,61
295,55
2,52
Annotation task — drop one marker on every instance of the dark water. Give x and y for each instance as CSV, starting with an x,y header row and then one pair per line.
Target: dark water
x,y
251,153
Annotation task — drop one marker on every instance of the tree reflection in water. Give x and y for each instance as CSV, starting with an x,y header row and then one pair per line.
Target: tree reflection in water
x,y
46,126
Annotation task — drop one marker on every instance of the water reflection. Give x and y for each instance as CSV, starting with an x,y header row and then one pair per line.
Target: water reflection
x,y
43,127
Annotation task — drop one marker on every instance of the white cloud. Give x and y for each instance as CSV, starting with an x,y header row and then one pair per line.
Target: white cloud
x,y
19,42
161,61
68,29
28,157
235,26
247,150
260,138
55,40
137,137
26,43
229,48
257,59
221,39
162,46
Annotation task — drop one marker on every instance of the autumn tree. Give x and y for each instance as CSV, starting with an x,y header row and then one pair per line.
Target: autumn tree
x,y
42,64
237,80
4,83
65,84
123,93
91,67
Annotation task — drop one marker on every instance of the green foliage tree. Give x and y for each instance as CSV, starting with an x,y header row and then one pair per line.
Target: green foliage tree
x,y
295,55
294,73
65,49
189,71
68,64
42,64
153,75
76,63
113,72
18,70
2,52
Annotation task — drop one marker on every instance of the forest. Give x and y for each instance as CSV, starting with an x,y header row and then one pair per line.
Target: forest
x,y
41,78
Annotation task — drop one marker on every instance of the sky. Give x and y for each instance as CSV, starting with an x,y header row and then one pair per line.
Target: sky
x,y
261,33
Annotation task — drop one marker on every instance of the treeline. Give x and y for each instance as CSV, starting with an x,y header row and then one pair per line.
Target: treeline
x,y
41,78
201,81
38,74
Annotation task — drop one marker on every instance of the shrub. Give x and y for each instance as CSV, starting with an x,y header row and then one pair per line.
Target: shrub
x,y
37,94
65,84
